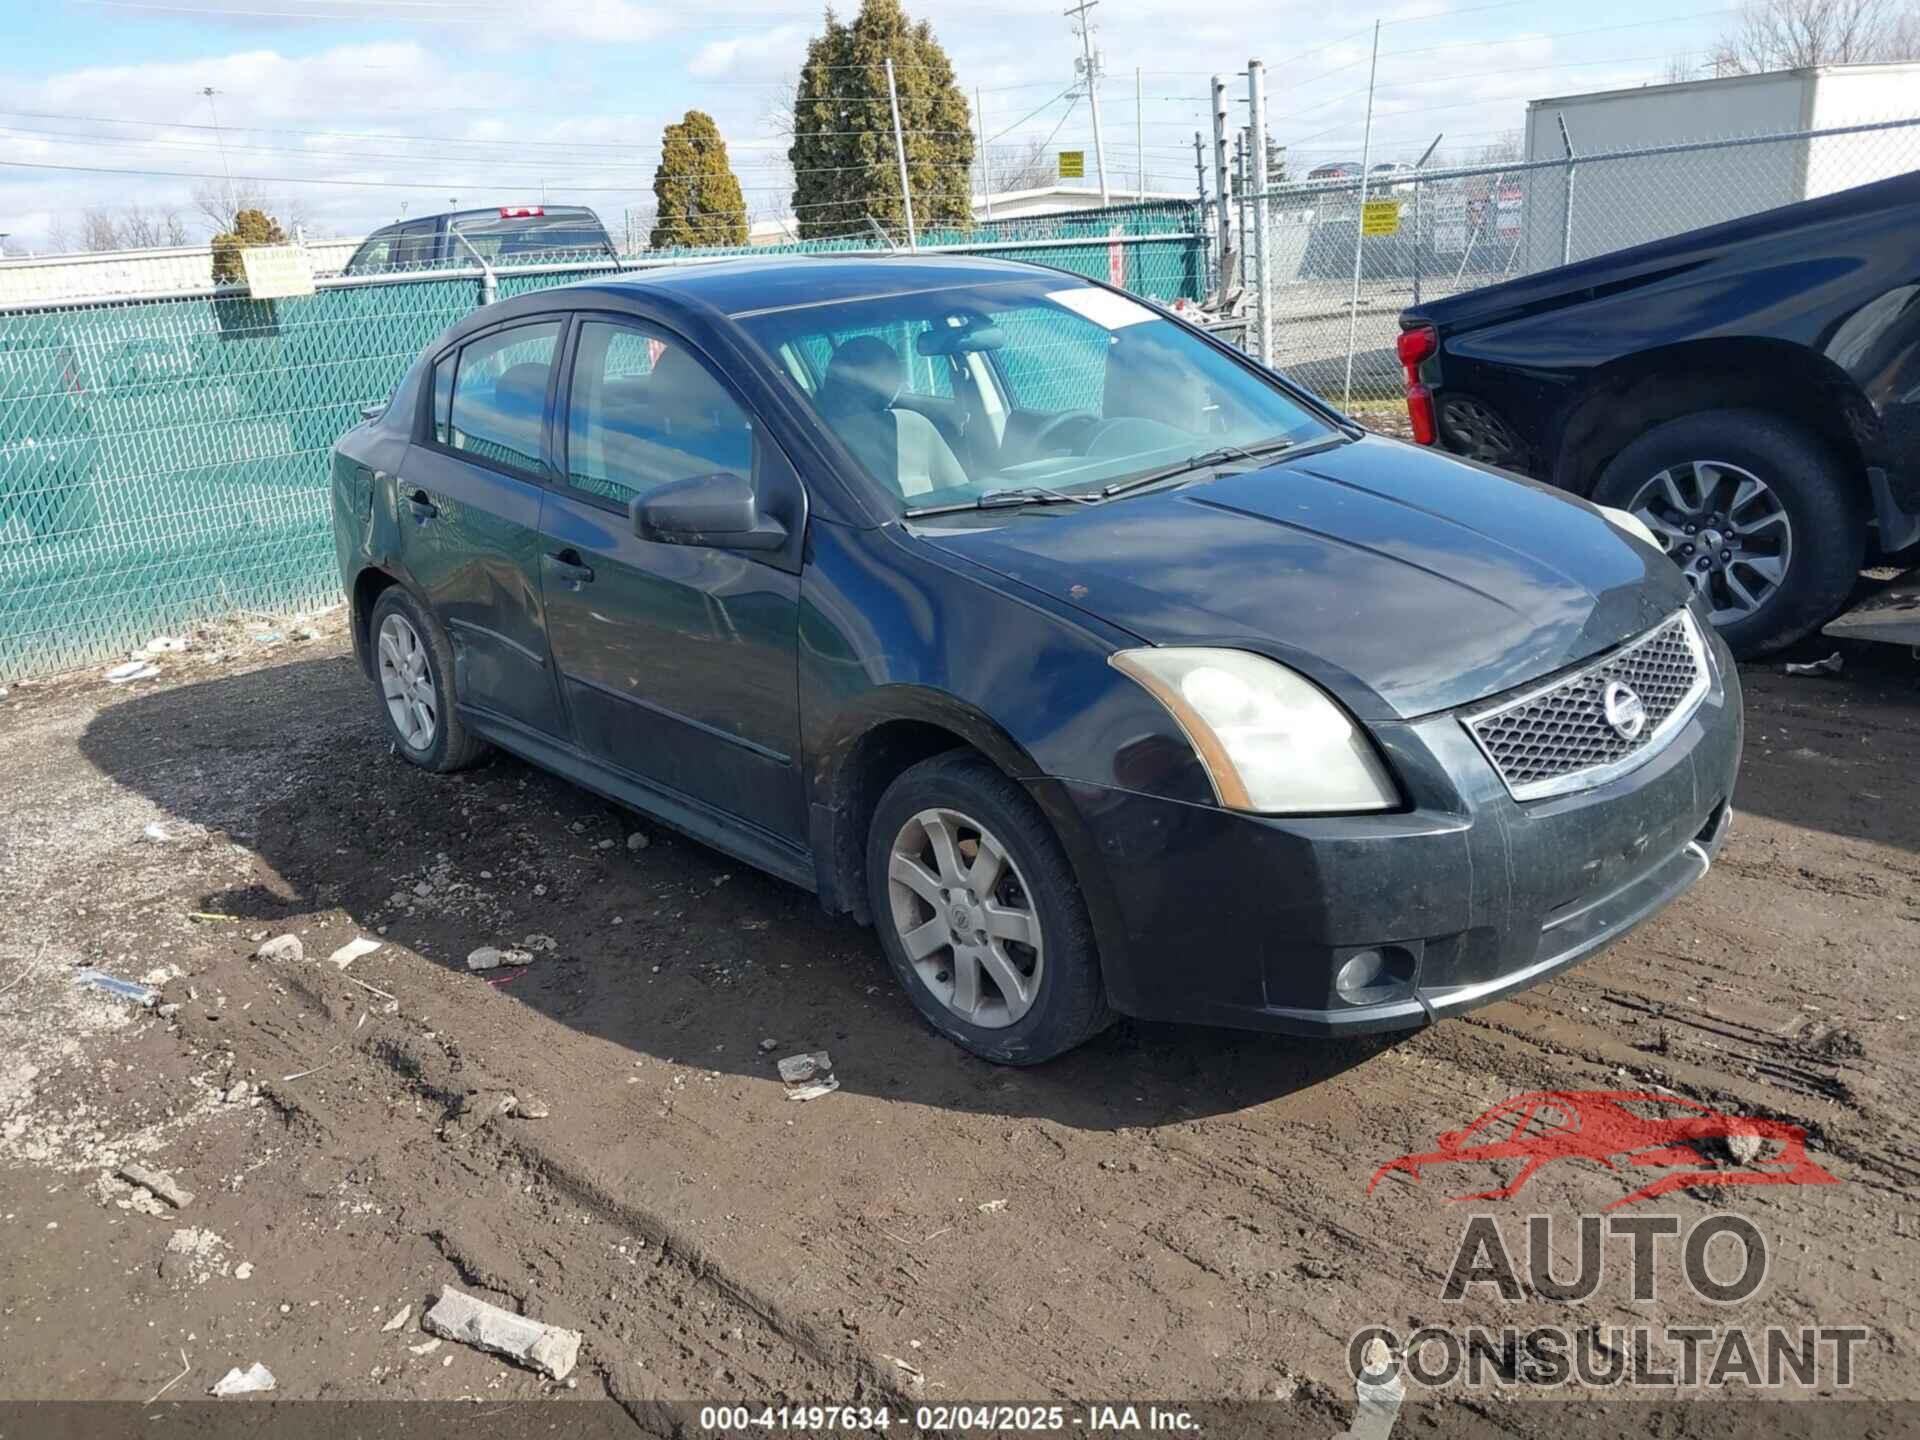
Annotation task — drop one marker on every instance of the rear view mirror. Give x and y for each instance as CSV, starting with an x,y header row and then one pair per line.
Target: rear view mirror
x,y
718,511
959,339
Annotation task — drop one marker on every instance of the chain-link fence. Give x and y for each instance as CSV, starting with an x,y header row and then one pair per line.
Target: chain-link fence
x,y
1344,257
165,459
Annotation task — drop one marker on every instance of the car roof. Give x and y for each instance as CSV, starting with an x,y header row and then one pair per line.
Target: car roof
x,y
755,285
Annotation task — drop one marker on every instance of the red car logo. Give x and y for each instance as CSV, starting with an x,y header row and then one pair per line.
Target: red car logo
x,y
1620,1128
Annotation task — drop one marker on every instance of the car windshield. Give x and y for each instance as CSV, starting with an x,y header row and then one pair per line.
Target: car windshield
x,y
1022,390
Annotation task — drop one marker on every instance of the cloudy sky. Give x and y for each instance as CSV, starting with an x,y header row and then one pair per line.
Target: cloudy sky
x,y
354,112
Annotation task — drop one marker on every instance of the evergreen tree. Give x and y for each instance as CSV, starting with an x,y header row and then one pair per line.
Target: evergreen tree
x,y
844,167
697,194
250,228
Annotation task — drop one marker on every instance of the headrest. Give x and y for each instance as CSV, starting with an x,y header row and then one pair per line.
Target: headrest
x,y
864,374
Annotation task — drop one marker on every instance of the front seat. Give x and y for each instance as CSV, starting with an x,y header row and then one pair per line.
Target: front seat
x,y
902,448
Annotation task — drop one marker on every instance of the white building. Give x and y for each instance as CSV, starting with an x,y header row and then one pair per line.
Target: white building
x,y
1624,202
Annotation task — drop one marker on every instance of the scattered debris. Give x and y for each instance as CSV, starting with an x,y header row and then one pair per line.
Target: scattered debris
x,y
159,1182
425,1347
186,1368
171,831
132,670
913,1372
400,1318
545,1348
769,1045
1832,665
192,1256
808,1075
991,1207
243,1271
282,947
1376,1403
256,1377
352,951
114,985
1743,1148
267,637
166,645
531,1107
540,944
491,957
637,841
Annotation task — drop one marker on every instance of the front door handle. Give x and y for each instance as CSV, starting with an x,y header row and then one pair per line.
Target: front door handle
x,y
570,567
422,506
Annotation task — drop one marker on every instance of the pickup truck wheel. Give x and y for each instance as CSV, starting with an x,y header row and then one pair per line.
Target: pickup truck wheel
x,y
1758,513
980,914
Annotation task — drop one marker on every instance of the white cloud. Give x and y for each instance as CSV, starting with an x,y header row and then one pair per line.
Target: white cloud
x,y
776,51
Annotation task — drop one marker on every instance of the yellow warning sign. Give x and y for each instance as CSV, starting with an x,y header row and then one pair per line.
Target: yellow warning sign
x,y
1380,217
1073,164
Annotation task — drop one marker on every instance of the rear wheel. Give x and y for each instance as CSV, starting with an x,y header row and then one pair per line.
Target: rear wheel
x,y
413,676
1759,515
980,914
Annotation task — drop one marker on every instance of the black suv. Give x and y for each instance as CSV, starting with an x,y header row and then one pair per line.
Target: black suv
x,y
503,234
1751,391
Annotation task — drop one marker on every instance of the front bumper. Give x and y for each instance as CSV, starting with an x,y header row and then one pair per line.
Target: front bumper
x,y
1354,924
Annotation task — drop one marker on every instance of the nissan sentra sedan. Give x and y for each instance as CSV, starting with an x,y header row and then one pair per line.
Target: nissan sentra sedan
x,y
1099,669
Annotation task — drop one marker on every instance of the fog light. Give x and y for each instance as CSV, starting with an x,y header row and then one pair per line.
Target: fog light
x,y
1369,976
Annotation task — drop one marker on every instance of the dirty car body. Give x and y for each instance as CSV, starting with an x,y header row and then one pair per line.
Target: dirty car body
x,y
979,514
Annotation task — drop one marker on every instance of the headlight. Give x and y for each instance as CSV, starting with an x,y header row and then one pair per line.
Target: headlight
x,y
1626,520
1271,741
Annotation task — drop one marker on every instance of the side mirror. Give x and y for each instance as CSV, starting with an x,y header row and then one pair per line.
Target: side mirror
x,y
718,511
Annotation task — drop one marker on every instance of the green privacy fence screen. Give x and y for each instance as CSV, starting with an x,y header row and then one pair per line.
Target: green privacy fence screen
x,y
164,460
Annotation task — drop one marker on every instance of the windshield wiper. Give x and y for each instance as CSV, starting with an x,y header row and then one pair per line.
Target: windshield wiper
x,y
1006,499
1206,460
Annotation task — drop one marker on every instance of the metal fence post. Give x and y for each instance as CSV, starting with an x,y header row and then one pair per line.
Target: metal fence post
x,y
1566,220
1257,143
1360,219
1222,223
1419,165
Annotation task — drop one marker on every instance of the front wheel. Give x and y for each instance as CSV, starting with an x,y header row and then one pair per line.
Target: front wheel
x,y
1760,516
980,914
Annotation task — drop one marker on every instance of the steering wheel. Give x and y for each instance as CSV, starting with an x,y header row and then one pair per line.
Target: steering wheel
x,y
1047,437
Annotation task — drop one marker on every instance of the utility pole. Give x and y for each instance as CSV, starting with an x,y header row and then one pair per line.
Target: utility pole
x,y
1257,144
900,154
1139,137
220,139
1089,67
1240,200
1222,223
986,167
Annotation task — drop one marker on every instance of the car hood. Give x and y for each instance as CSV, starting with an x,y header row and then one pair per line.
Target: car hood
x,y
1403,580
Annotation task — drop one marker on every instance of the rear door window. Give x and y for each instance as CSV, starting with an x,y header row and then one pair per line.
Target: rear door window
x,y
414,244
499,403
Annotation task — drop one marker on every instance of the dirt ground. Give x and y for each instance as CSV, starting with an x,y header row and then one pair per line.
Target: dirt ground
x,y
599,1138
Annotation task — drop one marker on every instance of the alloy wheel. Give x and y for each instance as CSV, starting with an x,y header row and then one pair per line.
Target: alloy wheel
x,y
965,917
1725,528
406,681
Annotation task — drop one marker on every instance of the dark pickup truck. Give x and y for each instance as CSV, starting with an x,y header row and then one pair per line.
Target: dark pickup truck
x,y
1751,391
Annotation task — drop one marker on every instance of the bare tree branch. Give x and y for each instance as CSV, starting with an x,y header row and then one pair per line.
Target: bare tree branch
x,y
1797,34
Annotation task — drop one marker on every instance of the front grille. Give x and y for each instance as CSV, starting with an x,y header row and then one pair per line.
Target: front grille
x,y
1558,738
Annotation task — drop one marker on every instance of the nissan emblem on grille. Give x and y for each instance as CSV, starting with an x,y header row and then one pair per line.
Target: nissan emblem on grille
x,y
1623,710
1584,728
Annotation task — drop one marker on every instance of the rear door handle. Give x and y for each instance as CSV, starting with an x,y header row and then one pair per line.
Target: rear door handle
x,y
568,565
423,508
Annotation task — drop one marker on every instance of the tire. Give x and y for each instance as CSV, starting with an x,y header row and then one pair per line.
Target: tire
x,y
1065,1003
1804,482
442,743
